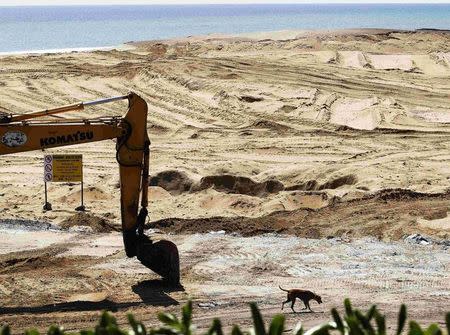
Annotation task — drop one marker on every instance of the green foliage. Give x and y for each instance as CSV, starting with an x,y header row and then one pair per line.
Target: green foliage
x,y
353,322
401,319
5,331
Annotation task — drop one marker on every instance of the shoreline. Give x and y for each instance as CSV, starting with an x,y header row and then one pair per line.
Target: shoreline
x,y
287,34
120,47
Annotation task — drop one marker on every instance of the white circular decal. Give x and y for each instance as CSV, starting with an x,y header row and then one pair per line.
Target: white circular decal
x,y
14,139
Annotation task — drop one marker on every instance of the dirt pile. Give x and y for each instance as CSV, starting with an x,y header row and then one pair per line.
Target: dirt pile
x,y
178,182
173,181
404,194
239,185
31,259
97,224
331,184
380,217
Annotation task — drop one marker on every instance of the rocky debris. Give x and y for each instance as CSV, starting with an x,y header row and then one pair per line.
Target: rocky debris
x,y
81,229
418,239
210,304
30,225
218,232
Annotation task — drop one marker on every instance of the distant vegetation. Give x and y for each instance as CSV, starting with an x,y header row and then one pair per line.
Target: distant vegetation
x,y
353,322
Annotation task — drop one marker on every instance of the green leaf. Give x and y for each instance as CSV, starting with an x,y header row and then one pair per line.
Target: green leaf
x,y
187,317
216,328
31,332
401,319
87,332
381,323
258,322
298,329
114,330
55,330
163,331
414,329
447,322
371,312
138,327
366,326
338,320
353,324
348,307
236,330
107,320
433,329
170,320
323,329
277,325
6,330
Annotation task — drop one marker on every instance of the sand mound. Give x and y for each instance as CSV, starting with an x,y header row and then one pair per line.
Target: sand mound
x,y
441,58
97,224
239,185
333,183
290,201
338,182
392,62
173,181
355,59
356,113
158,193
367,114
178,182
91,193
29,259
271,125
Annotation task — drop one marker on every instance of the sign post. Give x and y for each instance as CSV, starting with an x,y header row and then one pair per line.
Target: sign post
x,y
63,168
48,176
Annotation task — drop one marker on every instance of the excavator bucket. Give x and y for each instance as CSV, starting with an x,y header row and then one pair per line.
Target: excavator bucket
x,y
161,257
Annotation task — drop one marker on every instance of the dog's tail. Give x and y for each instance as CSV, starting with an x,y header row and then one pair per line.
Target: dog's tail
x,y
283,289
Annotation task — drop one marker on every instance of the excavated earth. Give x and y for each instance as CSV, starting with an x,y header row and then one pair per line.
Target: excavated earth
x,y
316,160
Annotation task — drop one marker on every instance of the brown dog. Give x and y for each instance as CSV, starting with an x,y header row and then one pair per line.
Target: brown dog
x,y
303,295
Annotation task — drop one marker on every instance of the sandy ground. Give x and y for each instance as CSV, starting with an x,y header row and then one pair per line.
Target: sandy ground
x,y
339,135
68,277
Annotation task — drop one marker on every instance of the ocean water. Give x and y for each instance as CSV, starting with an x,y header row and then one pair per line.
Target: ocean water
x,y
67,27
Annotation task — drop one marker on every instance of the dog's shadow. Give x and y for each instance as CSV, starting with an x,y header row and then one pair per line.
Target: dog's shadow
x,y
306,312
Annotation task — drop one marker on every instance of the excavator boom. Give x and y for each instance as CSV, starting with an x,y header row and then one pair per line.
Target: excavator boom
x,y
19,133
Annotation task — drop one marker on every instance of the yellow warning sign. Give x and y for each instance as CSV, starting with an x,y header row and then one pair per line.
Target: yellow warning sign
x,y
63,168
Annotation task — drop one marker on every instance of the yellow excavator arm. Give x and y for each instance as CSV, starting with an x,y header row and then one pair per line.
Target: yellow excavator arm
x,y
19,133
